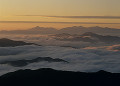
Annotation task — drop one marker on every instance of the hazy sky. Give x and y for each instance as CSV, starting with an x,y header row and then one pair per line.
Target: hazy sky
x,y
58,11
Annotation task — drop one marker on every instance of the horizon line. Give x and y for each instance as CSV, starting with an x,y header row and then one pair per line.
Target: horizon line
x,y
56,22
77,17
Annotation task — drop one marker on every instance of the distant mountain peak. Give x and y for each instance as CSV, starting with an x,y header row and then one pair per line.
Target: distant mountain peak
x,y
44,29
37,27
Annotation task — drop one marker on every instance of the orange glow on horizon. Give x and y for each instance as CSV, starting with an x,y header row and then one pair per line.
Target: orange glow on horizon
x,y
20,26
10,9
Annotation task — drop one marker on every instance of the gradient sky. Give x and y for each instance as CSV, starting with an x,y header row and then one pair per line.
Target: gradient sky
x,y
57,11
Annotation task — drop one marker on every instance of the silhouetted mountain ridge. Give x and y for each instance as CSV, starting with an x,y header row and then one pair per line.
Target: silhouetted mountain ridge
x,y
51,77
96,29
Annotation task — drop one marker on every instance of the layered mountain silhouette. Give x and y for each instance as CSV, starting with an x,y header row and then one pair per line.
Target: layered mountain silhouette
x,y
69,30
22,63
88,37
50,77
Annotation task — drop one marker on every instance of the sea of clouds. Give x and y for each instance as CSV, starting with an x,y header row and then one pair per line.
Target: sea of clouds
x,y
48,40
82,56
89,59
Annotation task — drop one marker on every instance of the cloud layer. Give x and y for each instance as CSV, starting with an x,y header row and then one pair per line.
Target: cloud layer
x,y
82,56
86,60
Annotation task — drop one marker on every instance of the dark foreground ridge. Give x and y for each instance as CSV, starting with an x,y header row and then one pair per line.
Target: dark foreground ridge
x,y
22,63
50,77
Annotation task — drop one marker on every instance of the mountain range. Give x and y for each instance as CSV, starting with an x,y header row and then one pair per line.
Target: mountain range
x,y
51,77
69,30
34,30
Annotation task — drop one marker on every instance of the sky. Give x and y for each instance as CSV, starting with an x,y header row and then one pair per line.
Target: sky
x,y
24,14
